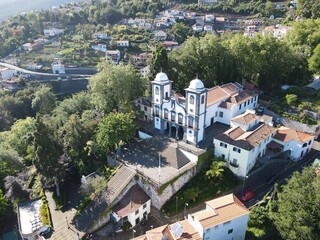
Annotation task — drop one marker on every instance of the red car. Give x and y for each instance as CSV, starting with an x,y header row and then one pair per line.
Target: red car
x,y
247,196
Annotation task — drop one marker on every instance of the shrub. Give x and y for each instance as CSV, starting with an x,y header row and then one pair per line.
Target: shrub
x,y
126,226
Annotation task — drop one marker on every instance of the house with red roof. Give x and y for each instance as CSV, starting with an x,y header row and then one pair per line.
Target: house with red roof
x,y
296,142
223,218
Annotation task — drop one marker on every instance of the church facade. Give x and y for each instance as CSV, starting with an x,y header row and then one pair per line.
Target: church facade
x,y
187,117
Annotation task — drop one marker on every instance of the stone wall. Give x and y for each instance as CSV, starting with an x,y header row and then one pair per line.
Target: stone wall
x,y
104,219
159,199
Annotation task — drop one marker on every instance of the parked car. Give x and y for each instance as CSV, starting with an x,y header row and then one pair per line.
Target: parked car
x,y
271,179
260,110
44,230
247,196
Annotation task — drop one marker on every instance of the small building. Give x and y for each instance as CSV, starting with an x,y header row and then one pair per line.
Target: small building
x,y
7,73
123,43
170,45
51,32
101,35
241,148
251,28
29,219
297,143
208,28
207,2
113,55
145,71
209,18
145,106
223,218
160,35
134,207
100,47
197,27
58,67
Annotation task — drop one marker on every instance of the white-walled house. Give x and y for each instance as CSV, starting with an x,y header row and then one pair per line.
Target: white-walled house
x,y
7,73
186,117
124,43
53,31
99,47
242,148
101,35
58,68
297,143
223,218
133,207
160,35
113,55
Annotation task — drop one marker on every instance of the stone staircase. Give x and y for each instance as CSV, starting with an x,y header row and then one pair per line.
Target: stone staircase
x,y
96,207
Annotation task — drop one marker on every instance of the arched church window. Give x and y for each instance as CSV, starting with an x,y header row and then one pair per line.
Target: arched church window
x,y
173,116
157,111
166,113
202,99
191,99
180,118
190,121
157,90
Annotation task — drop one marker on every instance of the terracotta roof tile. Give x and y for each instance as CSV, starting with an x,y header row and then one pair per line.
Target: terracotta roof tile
x,y
285,134
230,88
226,105
243,96
131,201
221,210
245,119
246,140
215,95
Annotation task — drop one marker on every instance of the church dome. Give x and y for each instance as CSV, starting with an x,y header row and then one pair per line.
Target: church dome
x,y
196,84
161,77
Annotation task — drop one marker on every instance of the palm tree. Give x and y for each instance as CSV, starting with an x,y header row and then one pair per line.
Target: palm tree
x,y
215,173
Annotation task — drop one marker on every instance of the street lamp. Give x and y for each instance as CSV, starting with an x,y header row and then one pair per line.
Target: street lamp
x,y
133,231
67,223
244,181
185,210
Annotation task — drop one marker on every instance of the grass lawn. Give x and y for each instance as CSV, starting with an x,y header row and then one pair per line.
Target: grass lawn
x,y
198,190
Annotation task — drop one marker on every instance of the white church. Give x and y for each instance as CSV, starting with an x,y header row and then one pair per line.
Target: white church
x,y
186,117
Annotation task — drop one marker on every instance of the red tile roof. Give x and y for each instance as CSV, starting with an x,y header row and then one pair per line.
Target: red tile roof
x,y
285,134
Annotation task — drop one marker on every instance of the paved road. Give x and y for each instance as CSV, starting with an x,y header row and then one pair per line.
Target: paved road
x,y
260,190
7,65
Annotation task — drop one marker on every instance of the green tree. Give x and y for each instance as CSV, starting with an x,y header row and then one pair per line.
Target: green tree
x,y
314,61
309,8
292,99
114,130
204,57
3,207
44,100
21,135
159,60
297,212
215,172
75,133
115,86
10,162
180,31
48,150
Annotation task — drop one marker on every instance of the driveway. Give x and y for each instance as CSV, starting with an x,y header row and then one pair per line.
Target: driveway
x,y
61,219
